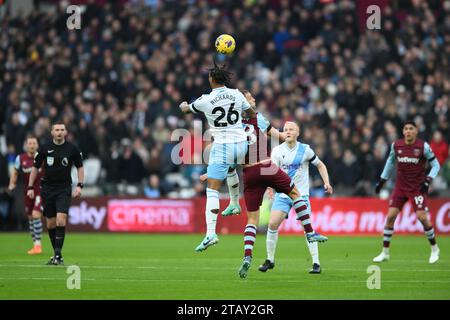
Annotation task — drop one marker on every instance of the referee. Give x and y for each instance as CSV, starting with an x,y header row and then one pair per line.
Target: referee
x,y
57,157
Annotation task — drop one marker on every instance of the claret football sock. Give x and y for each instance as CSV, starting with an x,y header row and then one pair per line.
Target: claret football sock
x,y
301,207
387,236
249,239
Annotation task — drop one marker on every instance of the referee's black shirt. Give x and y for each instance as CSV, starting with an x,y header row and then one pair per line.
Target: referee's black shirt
x,y
58,161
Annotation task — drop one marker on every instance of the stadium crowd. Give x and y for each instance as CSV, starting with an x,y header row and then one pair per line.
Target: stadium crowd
x,y
117,82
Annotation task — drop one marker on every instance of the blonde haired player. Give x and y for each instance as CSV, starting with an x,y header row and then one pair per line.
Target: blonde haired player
x,y
293,157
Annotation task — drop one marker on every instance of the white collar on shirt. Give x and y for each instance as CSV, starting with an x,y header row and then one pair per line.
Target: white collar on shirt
x,y
219,88
291,149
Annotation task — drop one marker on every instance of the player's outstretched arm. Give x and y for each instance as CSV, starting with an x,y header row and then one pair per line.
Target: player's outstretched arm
x,y
184,107
281,136
274,133
249,104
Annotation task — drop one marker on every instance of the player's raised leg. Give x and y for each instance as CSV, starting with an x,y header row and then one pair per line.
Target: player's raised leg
x,y
222,156
211,211
216,173
387,234
422,215
302,210
282,183
233,189
223,109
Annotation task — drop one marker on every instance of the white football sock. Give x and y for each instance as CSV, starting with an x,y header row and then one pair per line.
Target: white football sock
x,y
212,202
385,250
233,180
271,243
314,251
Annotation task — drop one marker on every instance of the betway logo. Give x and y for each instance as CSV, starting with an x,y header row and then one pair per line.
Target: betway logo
x,y
83,214
408,160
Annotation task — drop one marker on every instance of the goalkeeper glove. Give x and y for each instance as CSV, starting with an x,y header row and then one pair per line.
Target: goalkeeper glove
x,y
379,185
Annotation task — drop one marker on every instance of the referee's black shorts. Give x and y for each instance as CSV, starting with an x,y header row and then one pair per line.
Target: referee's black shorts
x,y
56,199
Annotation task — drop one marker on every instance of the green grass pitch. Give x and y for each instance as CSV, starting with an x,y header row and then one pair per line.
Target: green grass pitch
x,y
144,266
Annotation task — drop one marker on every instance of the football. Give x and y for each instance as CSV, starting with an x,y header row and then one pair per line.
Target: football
x,y
225,44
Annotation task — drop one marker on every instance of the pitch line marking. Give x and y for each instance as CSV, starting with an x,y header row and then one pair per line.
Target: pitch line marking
x,y
218,280
213,268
